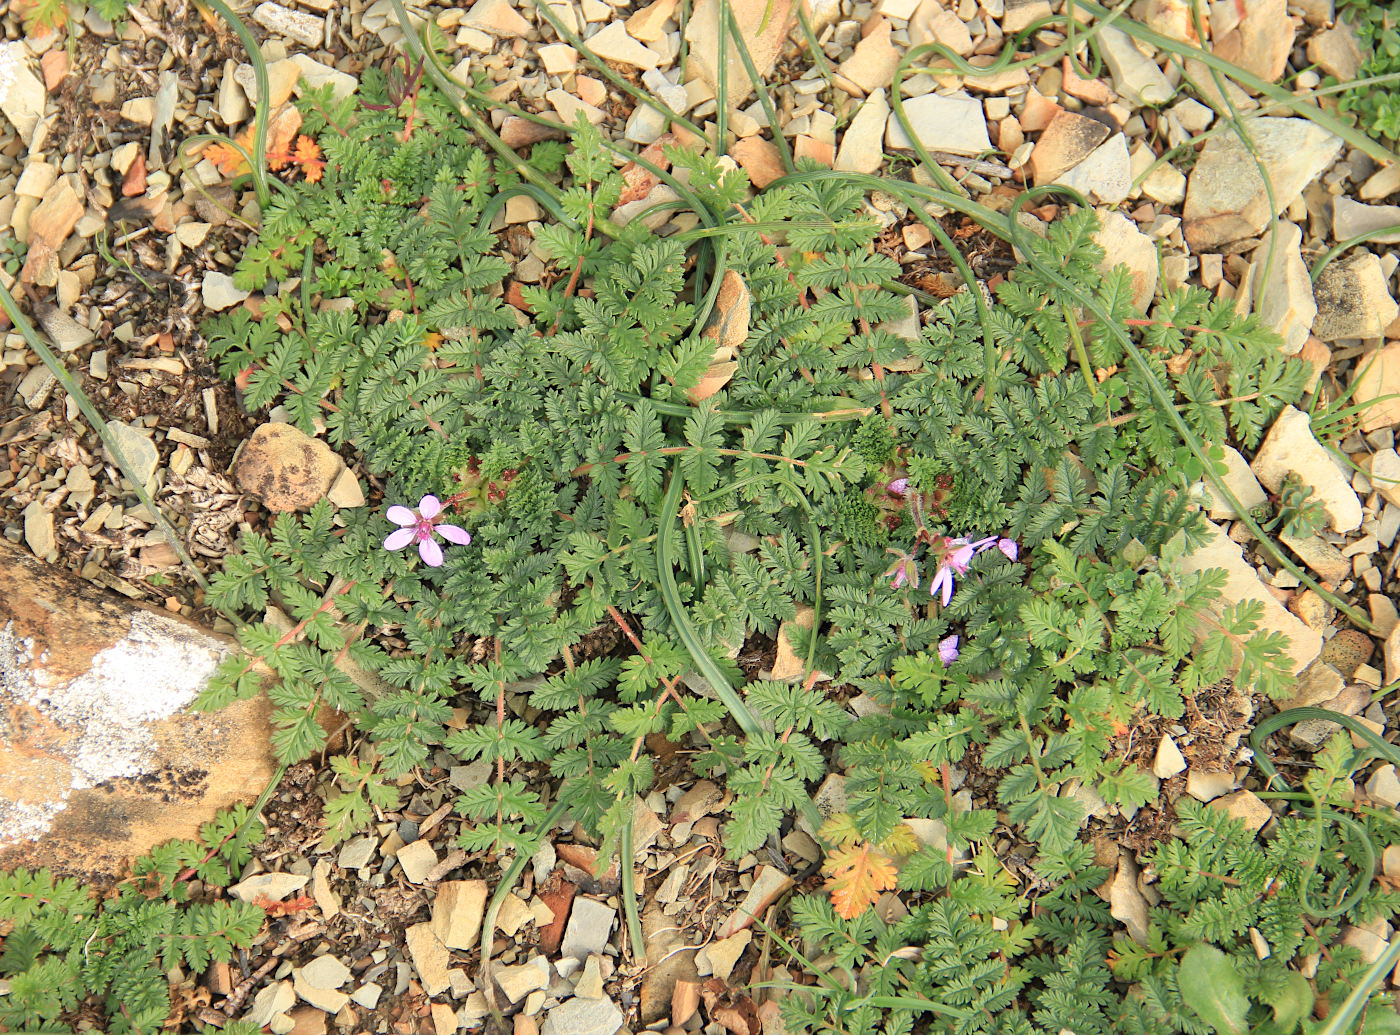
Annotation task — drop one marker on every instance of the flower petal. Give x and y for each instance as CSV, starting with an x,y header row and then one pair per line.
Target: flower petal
x,y
453,534
431,553
429,506
401,515
960,558
1009,547
942,579
948,649
397,540
898,487
983,544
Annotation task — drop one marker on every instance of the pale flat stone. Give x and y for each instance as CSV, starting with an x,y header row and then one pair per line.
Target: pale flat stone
x,y
137,447
1384,786
271,1000
430,958
271,887
1285,302
325,972
1352,218
357,853
218,293
1067,139
703,35
568,106
871,66
588,930
519,981
1243,583
1240,480
497,17
719,957
1168,761
954,124
1205,786
1124,244
1385,474
39,529
1261,41
769,884
861,150
1136,78
1291,447
417,860
1225,196
1106,174
1353,299
315,74
1320,556
583,1017
1336,52
65,332
21,91
611,43
38,177
1246,807
282,77
306,29
1376,380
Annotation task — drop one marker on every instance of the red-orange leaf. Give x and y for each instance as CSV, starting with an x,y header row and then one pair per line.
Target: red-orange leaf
x,y
308,156
859,875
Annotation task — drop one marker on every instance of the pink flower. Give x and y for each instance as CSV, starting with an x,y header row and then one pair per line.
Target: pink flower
x,y
957,555
420,526
903,570
948,649
898,487
1009,547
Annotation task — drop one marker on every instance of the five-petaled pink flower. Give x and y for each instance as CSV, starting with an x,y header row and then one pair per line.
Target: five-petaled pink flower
x,y
420,526
957,555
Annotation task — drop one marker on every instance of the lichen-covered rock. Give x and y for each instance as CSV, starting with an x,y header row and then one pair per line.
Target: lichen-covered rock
x,y
286,468
99,760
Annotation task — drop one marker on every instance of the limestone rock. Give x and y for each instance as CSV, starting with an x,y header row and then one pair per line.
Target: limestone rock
x,y
306,29
703,34
218,292
1243,583
458,911
1066,141
1377,381
871,67
101,762
611,43
1285,302
1204,786
497,17
138,449
271,887
1246,807
583,1017
286,468
21,91
1385,474
1261,42
1225,197
519,981
1106,175
1136,78
954,124
1169,761
430,958
1352,218
590,925
1240,480
721,955
1291,448
1124,244
1353,299
860,145
316,74
38,529
1336,52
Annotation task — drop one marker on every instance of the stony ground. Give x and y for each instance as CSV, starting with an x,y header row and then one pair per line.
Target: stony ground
x,y
129,246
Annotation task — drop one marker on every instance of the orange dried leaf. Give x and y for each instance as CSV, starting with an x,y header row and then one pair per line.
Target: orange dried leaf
x,y
227,158
859,876
308,156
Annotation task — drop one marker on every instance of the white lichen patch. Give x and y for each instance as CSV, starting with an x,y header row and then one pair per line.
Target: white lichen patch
x,y
99,723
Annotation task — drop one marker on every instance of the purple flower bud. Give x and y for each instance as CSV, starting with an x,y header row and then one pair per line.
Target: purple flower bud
x,y
898,487
1009,547
948,649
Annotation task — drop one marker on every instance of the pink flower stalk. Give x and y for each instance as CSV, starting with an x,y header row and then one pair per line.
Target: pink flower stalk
x,y
948,649
420,526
